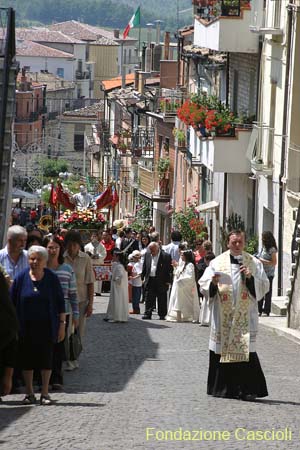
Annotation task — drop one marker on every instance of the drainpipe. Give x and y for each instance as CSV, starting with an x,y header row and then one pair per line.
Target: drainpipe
x,y
227,81
283,147
225,187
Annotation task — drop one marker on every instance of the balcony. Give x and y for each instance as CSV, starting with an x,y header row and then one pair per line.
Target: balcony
x,y
224,26
169,102
259,168
152,190
146,182
143,142
226,154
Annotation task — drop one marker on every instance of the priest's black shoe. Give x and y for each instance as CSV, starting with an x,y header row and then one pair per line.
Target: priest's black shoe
x,y
162,318
145,317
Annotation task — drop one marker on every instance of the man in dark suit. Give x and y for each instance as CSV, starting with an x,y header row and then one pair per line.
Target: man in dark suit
x,y
157,276
129,243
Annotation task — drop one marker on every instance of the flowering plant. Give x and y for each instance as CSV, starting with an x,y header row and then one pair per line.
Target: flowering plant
x,y
218,121
189,223
169,104
84,219
208,113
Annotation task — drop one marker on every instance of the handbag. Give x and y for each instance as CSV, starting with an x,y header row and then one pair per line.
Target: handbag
x,y
75,345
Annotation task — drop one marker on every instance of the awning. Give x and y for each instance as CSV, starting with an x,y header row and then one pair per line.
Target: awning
x,y
210,206
18,193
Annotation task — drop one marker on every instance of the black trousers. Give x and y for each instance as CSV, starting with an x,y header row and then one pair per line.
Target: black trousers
x,y
154,290
264,305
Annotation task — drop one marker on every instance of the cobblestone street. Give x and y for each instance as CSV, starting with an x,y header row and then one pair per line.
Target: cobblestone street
x,y
152,374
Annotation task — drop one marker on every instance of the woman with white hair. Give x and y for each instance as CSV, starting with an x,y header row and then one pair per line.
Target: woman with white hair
x,y
39,301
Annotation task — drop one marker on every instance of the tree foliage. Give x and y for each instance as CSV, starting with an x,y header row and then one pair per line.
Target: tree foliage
x,y
52,167
105,13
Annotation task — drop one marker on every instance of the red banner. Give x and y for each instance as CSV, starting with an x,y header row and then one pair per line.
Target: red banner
x,y
52,197
63,198
104,199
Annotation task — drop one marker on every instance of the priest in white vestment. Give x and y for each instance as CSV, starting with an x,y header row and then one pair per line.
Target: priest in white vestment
x,y
234,282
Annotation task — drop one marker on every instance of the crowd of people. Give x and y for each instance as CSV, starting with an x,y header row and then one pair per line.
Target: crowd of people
x,y
48,285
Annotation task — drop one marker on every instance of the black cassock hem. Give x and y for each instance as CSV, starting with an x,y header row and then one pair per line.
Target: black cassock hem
x,y
235,380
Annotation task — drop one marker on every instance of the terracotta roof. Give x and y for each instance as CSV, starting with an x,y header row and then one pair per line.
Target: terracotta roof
x,y
29,48
87,32
45,35
115,83
206,53
88,111
104,41
81,30
53,82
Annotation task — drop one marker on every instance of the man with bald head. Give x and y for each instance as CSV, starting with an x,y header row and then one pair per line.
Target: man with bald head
x,y
157,277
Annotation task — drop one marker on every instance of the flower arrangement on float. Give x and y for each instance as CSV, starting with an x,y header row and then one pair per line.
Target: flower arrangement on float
x,y
87,219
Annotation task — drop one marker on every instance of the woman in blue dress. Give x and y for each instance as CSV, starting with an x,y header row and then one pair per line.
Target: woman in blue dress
x,y
38,297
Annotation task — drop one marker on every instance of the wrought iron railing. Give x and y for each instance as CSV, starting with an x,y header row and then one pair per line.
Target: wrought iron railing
x,y
210,10
143,142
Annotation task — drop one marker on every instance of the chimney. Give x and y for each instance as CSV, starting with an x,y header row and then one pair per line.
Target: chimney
x,y
23,77
117,34
149,34
167,44
158,22
136,79
144,56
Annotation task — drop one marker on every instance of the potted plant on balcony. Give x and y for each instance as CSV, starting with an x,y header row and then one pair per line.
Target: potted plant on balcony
x,y
122,147
179,136
207,115
163,166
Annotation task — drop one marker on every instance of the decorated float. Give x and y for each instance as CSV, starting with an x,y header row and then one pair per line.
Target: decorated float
x,y
83,212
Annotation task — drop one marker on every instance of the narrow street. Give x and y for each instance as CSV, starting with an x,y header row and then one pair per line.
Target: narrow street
x,y
152,375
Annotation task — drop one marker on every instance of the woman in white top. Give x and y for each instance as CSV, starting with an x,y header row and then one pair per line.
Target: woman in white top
x,y
117,310
184,302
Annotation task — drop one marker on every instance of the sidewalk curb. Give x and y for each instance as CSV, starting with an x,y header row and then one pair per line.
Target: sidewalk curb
x,y
288,333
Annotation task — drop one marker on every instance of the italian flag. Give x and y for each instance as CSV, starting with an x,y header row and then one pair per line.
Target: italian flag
x,y
134,22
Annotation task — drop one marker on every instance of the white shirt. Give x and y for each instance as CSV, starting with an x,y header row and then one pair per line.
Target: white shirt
x,y
154,261
137,270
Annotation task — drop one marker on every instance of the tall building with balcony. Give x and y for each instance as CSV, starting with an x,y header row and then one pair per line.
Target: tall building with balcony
x,y
224,62
274,152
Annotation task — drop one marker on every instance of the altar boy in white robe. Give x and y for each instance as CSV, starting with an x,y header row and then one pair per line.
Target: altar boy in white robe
x,y
234,282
